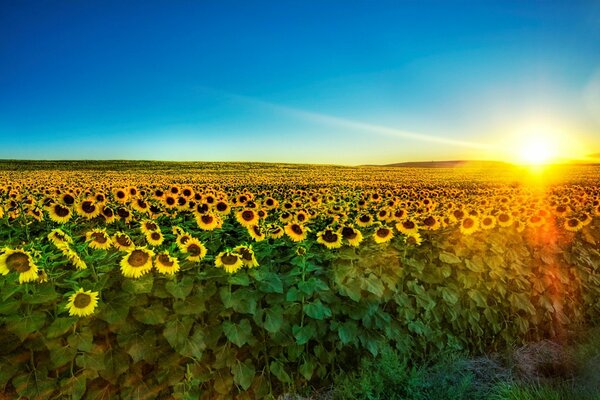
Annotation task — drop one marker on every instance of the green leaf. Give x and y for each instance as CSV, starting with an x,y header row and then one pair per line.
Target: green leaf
x,y
293,294
475,265
9,307
153,315
347,332
60,326
139,347
8,369
192,305
23,326
521,302
44,293
138,286
312,285
177,331
273,319
181,289
74,387
270,282
278,370
449,258
304,334
238,334
243,301
116,363
34,385
240,279
317,310
243,374
90,361
115,310
307,369
82,339
61,356
478,298
449,296
373,285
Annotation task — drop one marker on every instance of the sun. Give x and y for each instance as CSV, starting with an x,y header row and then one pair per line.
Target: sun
x,y
538,149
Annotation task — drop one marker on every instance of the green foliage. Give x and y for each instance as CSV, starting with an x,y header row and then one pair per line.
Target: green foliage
x,y
293,320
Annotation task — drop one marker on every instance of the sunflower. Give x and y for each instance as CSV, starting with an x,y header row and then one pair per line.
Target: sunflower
x,y
182,241
148,226
301,216
68,199
222,207
585,219
330,238
561,210
383,234
431,223
275,231
74,259
195,250
256,233
247,217
124,214
82,303
535,221
108,214
285,217
137,262
120,195
59,238
208,221
407,227
247,254
270,203
88,209
351,235
573,224
155,238
177,230
98,239
166,264
230,261
296,232
18,261
488,222
504,219
469,225
364,220
59,213
414,239
122,241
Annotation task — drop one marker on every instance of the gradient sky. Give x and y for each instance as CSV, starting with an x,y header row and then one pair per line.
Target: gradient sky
x,y
342,82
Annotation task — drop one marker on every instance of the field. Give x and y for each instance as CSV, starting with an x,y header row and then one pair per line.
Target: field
x,y
230,280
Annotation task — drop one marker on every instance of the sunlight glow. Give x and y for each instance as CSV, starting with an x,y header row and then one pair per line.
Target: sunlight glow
x,y
538,149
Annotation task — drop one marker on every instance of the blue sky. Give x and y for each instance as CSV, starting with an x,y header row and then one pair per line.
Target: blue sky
x,y
343,82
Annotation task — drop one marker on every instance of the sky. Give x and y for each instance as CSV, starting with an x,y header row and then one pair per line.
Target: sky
x,y
329,82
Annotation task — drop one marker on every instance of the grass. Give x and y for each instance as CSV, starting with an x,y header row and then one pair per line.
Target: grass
x,y
549,371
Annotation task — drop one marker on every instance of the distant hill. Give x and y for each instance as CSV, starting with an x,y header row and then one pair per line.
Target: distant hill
x,y
450,164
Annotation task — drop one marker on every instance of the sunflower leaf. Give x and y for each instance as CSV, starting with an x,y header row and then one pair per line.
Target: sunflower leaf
x,y
243,374
239,334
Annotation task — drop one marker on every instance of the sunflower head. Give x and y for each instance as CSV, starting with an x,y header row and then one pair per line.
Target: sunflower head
x,y
229,261
21,262
137,262
82,303
330,238
166,264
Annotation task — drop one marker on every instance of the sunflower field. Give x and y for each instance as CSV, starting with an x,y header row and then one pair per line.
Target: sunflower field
x,y
153,280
